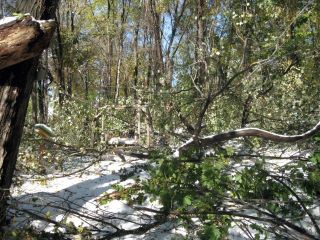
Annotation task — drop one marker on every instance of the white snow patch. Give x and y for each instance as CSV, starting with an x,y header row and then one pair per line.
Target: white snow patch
x,y
81,193
7,22
122,141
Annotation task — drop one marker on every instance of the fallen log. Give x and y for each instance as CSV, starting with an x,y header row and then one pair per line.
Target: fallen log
x,y
23,38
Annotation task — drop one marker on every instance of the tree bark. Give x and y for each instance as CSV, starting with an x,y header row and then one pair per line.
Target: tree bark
x,y
21,42
136,61
58,53
23,39
121,41
42,91
34,104
155,27
200,51
14,96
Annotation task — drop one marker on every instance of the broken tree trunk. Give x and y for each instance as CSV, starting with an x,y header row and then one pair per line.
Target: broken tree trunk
x,y
22,40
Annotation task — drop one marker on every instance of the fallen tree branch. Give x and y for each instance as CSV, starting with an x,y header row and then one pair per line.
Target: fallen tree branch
x,y
245,132
23,38
36,216
102,219
137,231
306,210
263,216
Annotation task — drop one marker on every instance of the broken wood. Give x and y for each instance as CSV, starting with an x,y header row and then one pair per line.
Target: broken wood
x,y
23,38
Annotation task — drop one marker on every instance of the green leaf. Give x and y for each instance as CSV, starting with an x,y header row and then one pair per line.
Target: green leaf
x,y
230,151
211,233
187,200
238,178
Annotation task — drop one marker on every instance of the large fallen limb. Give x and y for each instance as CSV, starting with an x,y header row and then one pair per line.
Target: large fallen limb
x,y
23,38
245,132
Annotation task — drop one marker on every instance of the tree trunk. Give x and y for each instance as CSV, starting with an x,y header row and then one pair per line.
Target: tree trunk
x,y
21,41
200,51
154,24
69,82
119,62
136,61
246,111
41,92
15,90
117,93
57,51
34,101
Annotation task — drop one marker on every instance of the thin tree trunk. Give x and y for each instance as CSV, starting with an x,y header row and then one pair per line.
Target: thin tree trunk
x,y
246,59
150,131
34,102
154,24
139,120
41,92
136,61
121,40
199,51
59,64
246,111
118,77
177,16
106,85
69,83
86,84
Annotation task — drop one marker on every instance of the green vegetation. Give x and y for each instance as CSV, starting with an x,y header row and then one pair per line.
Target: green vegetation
x,y
166,71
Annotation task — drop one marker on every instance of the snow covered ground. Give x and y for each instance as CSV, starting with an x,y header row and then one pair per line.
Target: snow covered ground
x,y
74,199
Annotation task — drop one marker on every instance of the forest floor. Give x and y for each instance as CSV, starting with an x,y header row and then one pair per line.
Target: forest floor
x,y
74,198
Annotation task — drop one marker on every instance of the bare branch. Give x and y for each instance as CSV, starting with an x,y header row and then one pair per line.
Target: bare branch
x,y
314,222
246,132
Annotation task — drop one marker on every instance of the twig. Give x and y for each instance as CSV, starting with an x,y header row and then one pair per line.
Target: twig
x,y
314,222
